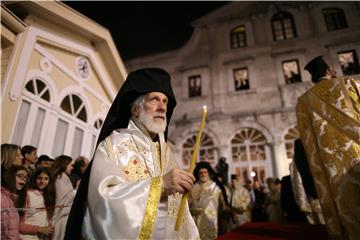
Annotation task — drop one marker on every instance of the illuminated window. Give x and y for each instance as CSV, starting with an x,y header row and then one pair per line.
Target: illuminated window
x,y
283,26
291,71
349,62
206,149
241,79
334,19
195,86
249,155
289,138
238,37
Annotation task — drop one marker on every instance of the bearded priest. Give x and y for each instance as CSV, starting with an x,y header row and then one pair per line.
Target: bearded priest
x,y
132,189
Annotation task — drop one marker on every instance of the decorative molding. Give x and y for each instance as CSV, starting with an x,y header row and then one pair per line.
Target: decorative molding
x,y
244,59
183,69
68,72
45,65
21,67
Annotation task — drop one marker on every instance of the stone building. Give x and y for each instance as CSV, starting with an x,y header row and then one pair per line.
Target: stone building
x,y
60,72
245,61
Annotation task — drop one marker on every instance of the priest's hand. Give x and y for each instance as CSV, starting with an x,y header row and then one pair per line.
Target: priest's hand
x,y
177,180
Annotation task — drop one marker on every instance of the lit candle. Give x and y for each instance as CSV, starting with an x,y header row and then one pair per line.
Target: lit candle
x,y
191,169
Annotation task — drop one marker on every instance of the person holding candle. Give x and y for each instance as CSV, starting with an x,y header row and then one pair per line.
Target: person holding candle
x,y
132,188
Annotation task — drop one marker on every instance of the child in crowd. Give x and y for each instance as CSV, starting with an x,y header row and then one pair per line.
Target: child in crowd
x,y
39,202
13,184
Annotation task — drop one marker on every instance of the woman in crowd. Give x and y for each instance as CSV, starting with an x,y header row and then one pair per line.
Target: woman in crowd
x,y
65,194
10,155
35,223
13,184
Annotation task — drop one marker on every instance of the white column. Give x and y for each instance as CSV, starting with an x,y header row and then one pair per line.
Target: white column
x,y
281,160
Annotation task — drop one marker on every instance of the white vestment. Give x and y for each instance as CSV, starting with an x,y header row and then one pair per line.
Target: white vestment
x,y
125,188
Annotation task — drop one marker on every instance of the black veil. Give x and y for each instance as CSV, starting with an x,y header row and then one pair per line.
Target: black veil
x,y
137,83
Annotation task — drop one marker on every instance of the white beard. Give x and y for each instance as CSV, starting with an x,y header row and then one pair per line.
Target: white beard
x,y
150,124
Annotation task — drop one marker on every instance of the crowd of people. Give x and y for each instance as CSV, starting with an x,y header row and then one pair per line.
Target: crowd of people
x,y
218,206
36,192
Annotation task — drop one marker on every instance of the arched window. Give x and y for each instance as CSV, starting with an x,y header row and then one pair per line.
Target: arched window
x,y
334,19
32,112
74,105
283,26
238,37
248,148
98,124
206,149
69,133
291,135
38,88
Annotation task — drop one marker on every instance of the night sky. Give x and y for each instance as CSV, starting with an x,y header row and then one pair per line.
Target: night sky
x,y
141,28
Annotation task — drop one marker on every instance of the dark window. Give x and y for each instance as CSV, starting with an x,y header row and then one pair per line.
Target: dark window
x,y
283,26
38,88
98,124
241,79
334,19
74,105
291,71
238,37
195,86
349,62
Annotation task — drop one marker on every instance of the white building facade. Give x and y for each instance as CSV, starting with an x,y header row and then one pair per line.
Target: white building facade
x,y
245,62
60,74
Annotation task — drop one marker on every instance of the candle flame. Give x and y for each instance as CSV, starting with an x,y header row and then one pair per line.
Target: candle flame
x,y
205,108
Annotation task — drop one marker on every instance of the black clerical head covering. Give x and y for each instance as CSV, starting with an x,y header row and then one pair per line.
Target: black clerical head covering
x,y
317,68
207,166
137,83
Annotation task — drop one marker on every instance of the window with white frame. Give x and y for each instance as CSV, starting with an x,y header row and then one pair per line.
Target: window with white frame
x,y
73,105
249,157
32,113
98,123
206,149
71,127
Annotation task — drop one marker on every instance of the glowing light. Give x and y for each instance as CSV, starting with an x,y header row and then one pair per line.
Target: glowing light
x,y
252,174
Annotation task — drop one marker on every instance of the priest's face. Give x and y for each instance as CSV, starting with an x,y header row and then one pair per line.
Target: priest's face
x,y
152,112
204,175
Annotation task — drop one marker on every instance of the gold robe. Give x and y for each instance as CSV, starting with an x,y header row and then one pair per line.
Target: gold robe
x,y
125,188
329,123
204,205
310,207
239,198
